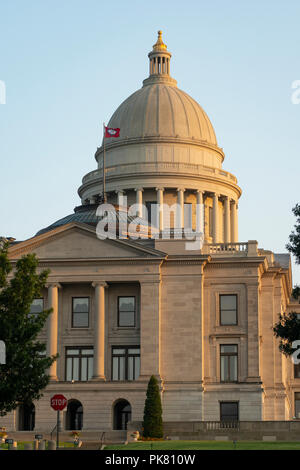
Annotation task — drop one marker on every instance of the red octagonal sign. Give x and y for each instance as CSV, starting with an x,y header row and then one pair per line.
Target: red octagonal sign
x,y
58,402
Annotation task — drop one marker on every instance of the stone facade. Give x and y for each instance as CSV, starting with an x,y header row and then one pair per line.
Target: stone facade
x,y
176,331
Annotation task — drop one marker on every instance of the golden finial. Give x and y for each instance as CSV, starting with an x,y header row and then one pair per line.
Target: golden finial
x,y
159,45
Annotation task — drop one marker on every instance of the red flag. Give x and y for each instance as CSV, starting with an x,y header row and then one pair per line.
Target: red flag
x,y
111,132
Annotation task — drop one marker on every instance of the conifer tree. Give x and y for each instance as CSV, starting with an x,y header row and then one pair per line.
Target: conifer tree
x,y
152,423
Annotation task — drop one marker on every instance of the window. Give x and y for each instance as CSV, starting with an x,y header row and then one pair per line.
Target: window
x,y
228,309
36,307
125,363
79,363
188,216
126,311
80,312
210,222
229,362
297,405
152,213
297,371
229,411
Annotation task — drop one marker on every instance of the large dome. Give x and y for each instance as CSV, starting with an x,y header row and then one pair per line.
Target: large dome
x,y
162,110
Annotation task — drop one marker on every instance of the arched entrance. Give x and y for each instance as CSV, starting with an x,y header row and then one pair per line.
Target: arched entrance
x,y
26,417
122,414
74,416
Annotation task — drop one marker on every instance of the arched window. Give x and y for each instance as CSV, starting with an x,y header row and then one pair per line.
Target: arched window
x,y
122,414
26,417
74,417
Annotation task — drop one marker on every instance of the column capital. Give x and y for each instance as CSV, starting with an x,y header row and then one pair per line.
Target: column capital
x,y
117,191
53,284
159,189
99,284
180,189
216,195
200,191
139,189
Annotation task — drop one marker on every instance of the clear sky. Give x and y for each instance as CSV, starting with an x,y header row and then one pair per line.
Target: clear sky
x,y
67,65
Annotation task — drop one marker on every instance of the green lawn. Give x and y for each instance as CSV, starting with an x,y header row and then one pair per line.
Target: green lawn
x,y
206,445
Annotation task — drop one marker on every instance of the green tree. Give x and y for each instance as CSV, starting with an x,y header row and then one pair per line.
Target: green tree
x,y
294,238
24,375
152,423
288,326
288,330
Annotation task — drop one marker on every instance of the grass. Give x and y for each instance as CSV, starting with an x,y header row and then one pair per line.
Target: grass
x,y
206,445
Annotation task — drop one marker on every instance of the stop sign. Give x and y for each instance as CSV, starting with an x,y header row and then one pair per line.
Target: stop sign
x,y
58,402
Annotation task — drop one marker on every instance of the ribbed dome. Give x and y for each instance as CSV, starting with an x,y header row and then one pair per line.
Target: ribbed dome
x,y
160,109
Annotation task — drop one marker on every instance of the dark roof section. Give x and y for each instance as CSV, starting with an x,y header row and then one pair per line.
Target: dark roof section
x,y
87,215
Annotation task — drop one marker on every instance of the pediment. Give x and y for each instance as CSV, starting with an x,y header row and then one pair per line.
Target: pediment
x,y
79,241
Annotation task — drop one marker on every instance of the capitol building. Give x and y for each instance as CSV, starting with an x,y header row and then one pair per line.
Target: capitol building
x,y
199,319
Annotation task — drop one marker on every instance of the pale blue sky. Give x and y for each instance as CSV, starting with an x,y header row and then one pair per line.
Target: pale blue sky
x,y
67,65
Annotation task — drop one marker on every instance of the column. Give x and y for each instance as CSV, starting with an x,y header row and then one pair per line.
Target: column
x,y
216,218
150,328
234,223
160,201
180,212
139,201
200,212
120,197
227,220
99,331
52,327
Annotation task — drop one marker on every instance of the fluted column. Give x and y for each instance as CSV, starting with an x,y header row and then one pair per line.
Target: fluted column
x,y
227,220
99,331
200,212
216,218
52,327
160,202
234,222
180,212
139,201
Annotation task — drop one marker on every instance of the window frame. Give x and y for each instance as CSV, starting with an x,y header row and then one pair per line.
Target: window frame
x,y
229,355
80,356
126,361
88,312
220,309
235,402
134,312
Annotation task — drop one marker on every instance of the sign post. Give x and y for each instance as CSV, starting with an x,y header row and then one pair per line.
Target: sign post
x,y
58,403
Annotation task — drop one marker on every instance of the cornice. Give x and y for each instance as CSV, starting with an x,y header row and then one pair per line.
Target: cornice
x,y
157,139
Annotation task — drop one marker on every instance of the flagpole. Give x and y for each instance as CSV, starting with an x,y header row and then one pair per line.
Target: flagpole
x,y
103,169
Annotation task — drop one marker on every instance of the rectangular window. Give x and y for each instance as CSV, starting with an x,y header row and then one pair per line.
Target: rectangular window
x,y
229,411
126,311
80,312
125,362
229,362
297,405
210,221
79,364
37,306
152,213
188,216
228,309
297,371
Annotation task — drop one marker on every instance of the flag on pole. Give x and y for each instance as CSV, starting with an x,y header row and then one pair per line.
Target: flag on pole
x,y
111,132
